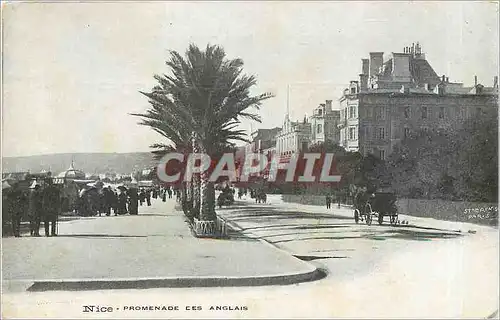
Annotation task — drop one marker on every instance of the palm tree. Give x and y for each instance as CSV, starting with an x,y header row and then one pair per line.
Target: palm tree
x,y
199,108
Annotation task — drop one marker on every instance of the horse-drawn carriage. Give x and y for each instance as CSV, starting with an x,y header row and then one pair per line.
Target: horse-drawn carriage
x,y
378,204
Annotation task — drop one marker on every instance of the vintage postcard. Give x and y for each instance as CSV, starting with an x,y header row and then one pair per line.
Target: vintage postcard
x,y
253,159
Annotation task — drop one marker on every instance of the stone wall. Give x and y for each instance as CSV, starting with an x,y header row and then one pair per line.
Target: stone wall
x,y
474,212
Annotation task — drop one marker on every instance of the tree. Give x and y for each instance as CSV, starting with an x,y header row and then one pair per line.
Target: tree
x,y
200,105
459,164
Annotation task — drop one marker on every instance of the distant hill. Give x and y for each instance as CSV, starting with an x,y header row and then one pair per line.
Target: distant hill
x,y
121,163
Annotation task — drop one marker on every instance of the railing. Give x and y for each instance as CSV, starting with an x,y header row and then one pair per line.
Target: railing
x,y
210,229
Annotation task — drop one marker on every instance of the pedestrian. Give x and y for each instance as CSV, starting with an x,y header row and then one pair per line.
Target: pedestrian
x,y
122,203
328,201
36,208
51,206
148,197
133,206
18,206
107,201
169,191
114,201
142,196
164,196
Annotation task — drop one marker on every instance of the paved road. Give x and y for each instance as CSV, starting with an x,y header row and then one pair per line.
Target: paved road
x,y
376,271
157,243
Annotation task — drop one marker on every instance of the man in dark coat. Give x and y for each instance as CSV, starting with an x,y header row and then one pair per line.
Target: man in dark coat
x,y
122,203
19,202
52,206
133,200
142,196
36,210
148,197
108,200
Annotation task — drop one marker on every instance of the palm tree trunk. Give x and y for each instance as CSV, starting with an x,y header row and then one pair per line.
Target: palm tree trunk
x,y
207,212
196,197
206,226
184,200
196,180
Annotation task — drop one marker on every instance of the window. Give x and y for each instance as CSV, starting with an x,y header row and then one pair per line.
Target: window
x,y
351,112
320,112
407,113
381,133
319,128
352,133
424,112
441,113
381,154
380,113
368,112
407,133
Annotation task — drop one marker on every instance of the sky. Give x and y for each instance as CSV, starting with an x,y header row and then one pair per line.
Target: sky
x,y
72,71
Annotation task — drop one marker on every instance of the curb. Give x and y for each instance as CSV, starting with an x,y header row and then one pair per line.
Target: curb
x,y
310,266
311,274
169,282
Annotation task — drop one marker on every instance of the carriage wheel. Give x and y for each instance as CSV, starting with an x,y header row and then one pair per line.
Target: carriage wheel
x,y
380,218
356,215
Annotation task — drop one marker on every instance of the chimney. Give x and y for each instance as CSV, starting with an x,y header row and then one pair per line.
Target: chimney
x,y
329,105
447,79
475,81
443,78
363,81
376,60
495,82
365,66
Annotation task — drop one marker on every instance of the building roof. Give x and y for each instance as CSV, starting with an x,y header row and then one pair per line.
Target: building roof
x,y
17,176
72,173
420,69
422,72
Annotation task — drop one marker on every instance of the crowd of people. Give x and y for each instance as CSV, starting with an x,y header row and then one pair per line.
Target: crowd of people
x,y
118,200
42,202
39,203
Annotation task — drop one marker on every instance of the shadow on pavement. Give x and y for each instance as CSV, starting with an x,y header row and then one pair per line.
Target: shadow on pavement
x,y
403,234
90,236
298,226
252,213
311,258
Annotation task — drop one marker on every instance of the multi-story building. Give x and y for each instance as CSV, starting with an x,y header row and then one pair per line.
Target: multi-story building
x,y
324,123
264,141
294,137
400,93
